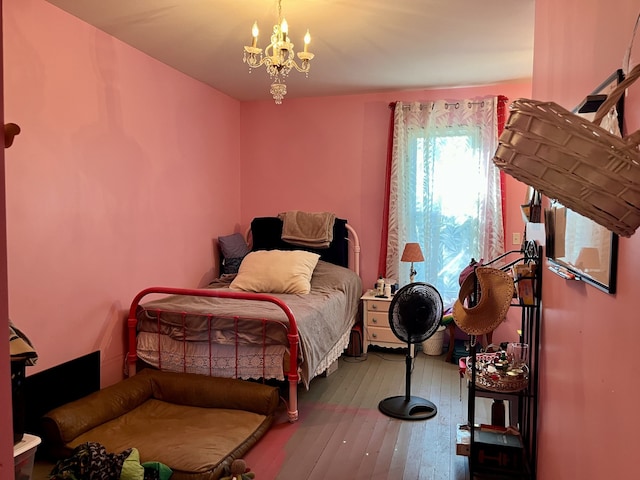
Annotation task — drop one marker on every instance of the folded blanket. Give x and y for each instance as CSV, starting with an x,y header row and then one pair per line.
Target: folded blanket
x,y
307,229
90,461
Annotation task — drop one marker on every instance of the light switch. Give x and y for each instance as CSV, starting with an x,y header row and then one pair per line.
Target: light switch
x,y
515,238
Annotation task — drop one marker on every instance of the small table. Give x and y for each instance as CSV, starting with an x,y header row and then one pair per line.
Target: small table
x,y
375,323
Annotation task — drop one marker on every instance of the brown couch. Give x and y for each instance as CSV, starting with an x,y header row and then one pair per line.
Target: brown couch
x,y
195,424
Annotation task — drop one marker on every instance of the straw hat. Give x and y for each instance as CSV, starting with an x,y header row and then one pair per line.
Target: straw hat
x,y
20,347
496,291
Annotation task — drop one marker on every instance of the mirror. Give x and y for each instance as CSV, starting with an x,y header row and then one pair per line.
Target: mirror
x,y
577,248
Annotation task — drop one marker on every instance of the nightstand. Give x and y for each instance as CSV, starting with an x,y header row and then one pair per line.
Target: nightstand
x,y
376,322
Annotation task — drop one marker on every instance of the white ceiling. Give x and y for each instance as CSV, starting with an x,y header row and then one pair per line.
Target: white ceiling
x,y
361,46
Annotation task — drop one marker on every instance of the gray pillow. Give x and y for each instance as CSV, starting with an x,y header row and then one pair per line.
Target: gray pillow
x,y
233,248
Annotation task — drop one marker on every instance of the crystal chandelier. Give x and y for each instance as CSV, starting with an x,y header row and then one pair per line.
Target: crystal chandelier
x,y
279,57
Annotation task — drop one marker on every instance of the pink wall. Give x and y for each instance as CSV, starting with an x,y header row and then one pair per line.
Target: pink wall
x,y
126,171
588,407
124,174
329,153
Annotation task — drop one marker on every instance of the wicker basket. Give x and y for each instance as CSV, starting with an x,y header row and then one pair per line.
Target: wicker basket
x,y
434,344
575,161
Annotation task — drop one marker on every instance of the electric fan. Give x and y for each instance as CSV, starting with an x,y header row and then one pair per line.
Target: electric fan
x,y
414,315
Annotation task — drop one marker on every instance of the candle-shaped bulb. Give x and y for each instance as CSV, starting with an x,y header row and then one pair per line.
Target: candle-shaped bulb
x,y
284,28
307,40
254,33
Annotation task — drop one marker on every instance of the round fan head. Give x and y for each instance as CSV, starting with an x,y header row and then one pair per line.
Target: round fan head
x,y
415,312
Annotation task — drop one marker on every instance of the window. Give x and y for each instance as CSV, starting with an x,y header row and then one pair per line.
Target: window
x,y
444,192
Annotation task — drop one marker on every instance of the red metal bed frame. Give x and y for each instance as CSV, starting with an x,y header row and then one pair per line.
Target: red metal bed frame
x,y
292,335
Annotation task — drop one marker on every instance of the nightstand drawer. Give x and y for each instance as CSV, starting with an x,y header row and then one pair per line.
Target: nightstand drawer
x,y
378,319
377,334
378,305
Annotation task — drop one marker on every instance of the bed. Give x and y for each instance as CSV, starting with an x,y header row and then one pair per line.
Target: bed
x,y
223,332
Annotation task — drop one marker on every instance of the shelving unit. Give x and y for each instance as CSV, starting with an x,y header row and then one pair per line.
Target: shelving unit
x,y
519,461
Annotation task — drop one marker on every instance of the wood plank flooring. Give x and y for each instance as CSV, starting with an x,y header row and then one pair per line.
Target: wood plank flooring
x,y
341,434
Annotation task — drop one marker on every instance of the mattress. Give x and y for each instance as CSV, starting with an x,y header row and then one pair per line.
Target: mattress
x,y
324,318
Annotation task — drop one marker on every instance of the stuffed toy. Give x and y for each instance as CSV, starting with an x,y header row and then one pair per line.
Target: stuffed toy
x,y
239,471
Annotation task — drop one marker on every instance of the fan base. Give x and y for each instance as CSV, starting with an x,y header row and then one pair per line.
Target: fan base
x,y
411,408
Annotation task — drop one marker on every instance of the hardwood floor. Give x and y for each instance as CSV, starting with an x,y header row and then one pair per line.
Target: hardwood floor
x,y
341,434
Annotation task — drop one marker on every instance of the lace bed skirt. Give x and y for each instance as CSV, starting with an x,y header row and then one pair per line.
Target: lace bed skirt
x,y
219,361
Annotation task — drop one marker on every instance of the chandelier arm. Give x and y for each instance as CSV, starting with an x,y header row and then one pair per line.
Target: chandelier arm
x,y
253,61
306,66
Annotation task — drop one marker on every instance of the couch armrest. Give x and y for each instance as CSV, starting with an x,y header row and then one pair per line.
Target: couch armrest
x,y
214,392
61,425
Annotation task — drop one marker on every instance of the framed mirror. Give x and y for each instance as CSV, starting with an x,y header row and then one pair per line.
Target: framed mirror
x,y
578,248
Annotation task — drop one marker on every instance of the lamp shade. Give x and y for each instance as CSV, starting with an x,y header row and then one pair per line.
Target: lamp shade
x,y
588,259
412,253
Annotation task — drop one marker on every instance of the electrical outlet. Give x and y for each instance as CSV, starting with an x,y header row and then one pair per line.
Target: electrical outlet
x,y
515,238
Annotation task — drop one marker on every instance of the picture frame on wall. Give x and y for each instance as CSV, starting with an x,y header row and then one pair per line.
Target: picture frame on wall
x,y
578,248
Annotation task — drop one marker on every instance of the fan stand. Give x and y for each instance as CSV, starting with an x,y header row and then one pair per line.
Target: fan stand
x,y
408,407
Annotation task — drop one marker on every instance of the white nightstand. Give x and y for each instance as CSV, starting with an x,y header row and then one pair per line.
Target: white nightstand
x,y
376,322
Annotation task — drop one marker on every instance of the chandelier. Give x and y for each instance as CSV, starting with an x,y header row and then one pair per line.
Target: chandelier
x,y
279,57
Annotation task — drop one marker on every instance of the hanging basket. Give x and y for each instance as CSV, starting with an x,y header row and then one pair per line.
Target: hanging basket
x,y
575,161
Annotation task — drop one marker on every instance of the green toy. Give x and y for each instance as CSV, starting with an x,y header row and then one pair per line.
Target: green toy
x,y
239,471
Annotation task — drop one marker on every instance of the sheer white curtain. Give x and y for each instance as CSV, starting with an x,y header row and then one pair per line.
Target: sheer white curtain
x,y
444,189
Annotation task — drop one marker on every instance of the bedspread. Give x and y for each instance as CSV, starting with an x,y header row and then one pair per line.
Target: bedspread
x,y
322,316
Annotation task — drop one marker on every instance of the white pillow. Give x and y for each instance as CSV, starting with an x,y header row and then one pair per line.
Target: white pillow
x,y
276,271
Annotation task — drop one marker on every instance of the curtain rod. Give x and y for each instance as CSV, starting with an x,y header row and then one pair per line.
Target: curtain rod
x,y
451,104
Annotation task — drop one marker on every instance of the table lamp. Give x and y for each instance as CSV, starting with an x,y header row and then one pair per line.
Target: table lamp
x,y
588,259
412,253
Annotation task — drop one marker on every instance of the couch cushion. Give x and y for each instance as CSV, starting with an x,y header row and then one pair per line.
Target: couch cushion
x,y
203,391
192,441
195,424
65,423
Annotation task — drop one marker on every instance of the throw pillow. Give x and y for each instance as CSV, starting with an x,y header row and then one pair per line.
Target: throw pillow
x,y
233,248
276,271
